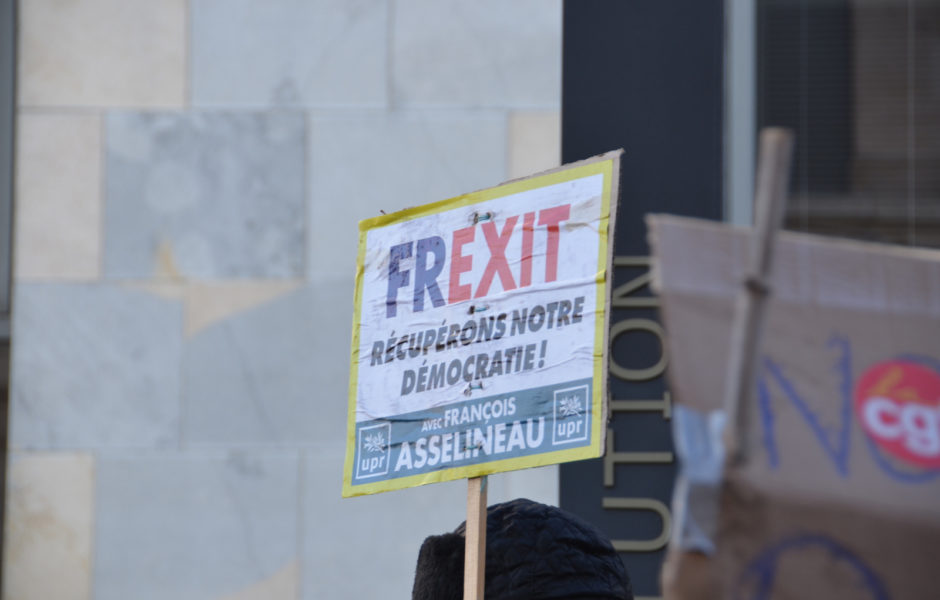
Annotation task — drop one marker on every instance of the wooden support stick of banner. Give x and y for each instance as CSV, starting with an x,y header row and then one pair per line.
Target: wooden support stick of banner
x,y
474,564
773,172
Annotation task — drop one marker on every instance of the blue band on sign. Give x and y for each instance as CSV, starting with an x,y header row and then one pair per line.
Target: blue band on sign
x,y
521,423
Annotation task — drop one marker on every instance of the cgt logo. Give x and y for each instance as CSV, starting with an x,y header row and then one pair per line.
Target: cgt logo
x,y
898,405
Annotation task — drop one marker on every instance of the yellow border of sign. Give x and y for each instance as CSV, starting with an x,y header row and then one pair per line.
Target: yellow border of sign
x,y
607,164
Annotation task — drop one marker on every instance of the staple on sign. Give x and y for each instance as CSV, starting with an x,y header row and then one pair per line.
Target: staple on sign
x,y
480,217
472,386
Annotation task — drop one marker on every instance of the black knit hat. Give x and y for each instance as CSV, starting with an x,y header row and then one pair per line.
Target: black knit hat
x,y
533,552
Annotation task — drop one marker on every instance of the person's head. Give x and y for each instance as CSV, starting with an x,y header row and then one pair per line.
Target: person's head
x,y
533,552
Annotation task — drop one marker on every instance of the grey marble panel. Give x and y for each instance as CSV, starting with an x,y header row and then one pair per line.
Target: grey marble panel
x,y
363,163
205,195
380,534
277,373
193,527
289,53
94,366
480,53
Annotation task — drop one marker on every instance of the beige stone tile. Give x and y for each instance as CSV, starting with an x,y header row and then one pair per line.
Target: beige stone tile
x,y
534,142
282,585
168,290
48,540
114,53
213,302
58,196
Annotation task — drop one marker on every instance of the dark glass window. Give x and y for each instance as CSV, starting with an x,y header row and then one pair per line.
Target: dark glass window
x,y
859,82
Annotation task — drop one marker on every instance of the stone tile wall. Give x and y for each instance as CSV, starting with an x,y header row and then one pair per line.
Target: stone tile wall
x,y
189,176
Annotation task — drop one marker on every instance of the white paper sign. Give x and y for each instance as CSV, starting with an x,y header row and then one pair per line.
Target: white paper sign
x,y
480,333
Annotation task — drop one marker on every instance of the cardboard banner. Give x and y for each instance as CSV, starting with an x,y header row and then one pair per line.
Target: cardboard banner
x,y
480,331
840,494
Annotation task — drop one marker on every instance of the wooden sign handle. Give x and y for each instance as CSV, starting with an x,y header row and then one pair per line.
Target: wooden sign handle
x,y
773,173
474,565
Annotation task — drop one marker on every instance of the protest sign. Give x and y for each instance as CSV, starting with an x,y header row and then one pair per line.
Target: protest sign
x,y
480,331
840,494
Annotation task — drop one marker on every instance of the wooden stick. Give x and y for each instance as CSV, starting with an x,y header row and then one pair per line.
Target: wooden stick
x,y
474,564
773,172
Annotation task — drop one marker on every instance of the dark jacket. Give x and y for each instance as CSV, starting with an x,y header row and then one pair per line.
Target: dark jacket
x,y
533,552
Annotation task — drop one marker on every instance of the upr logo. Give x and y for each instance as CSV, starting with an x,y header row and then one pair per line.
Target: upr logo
x,y
374,450
571,415
898,405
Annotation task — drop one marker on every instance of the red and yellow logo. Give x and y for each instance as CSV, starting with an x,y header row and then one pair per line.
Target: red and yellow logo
x,y
898,405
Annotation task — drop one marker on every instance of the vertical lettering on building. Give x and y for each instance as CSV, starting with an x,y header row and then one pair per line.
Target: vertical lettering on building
x,y
625,296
